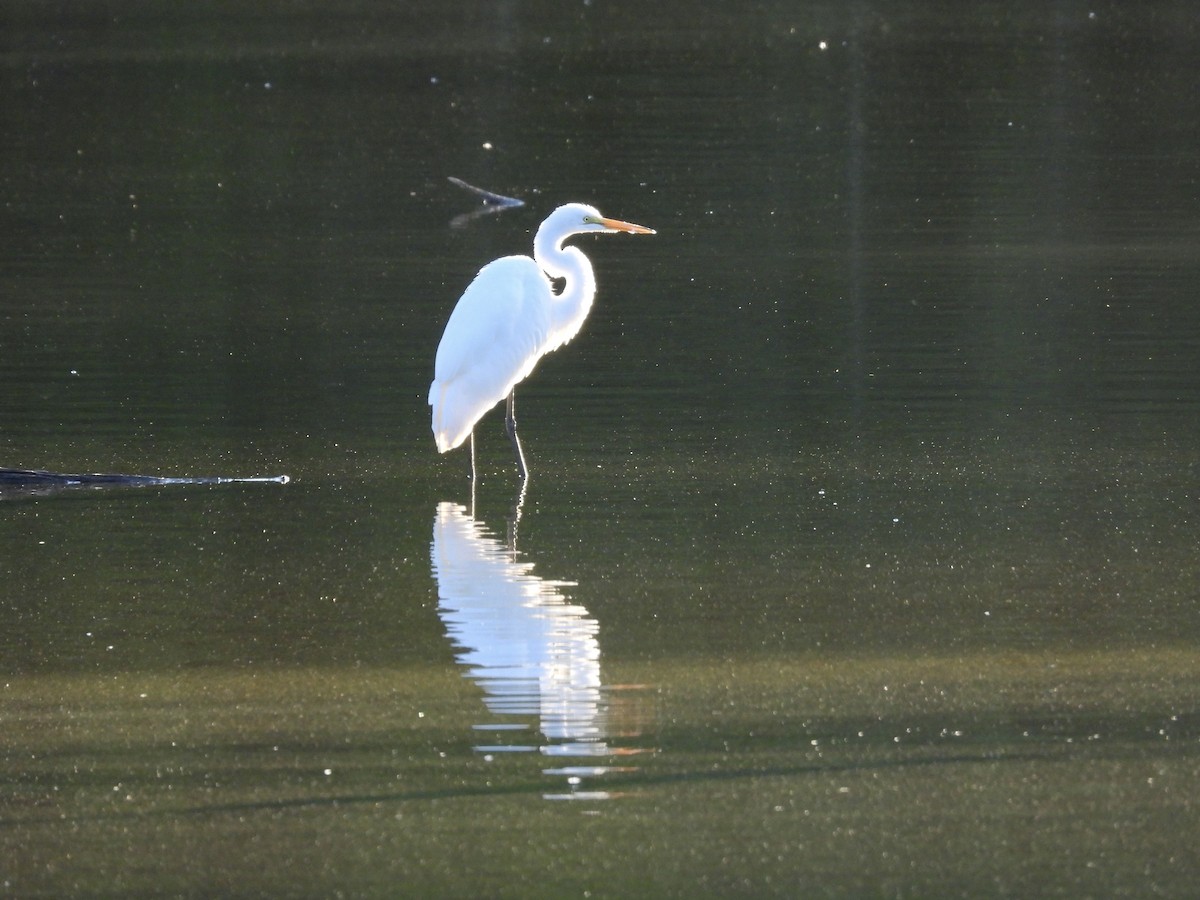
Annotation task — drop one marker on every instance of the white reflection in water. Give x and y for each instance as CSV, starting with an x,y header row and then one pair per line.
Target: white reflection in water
x,y
533,652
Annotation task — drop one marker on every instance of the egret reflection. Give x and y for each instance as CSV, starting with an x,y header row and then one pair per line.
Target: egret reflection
x,y
532,651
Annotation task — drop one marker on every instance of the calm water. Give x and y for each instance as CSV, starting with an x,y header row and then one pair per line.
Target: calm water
x,y
858,555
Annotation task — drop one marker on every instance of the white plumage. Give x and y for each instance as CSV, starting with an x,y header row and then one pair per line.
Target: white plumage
x,y
508,318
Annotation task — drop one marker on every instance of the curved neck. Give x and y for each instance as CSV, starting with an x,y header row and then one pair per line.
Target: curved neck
x,y
570,307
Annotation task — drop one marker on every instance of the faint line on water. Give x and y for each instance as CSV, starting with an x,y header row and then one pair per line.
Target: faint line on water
x,y
639,783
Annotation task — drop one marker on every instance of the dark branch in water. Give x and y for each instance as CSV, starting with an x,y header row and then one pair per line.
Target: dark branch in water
x,y
25,482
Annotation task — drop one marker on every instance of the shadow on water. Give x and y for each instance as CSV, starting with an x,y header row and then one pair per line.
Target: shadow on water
x,y
533,653
630,778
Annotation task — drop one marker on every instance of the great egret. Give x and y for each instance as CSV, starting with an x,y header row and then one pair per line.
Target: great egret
x,y
506,320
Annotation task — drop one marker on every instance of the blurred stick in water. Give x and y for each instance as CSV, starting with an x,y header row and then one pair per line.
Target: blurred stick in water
x,y
492,203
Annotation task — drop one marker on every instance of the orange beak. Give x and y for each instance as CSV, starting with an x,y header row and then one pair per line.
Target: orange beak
x,y
628,227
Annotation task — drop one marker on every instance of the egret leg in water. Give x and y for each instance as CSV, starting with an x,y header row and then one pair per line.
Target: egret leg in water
x,y
510,426
509,318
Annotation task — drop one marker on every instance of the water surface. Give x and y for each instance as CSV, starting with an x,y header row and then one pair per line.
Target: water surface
x,y
858,555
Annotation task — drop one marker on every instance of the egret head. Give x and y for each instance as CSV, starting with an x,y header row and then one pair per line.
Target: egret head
x,y
574,218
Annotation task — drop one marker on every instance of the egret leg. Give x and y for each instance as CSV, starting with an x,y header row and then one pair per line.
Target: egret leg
x,y
510,427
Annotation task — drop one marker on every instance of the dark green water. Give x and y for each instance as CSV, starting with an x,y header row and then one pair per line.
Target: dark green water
x,y
859,551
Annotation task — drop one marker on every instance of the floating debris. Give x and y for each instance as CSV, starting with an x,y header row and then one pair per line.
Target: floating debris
x,y
29,482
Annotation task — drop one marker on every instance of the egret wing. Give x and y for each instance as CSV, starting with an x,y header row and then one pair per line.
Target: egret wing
x,y
493,339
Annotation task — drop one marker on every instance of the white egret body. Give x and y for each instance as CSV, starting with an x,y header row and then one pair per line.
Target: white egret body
x,y
507,319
